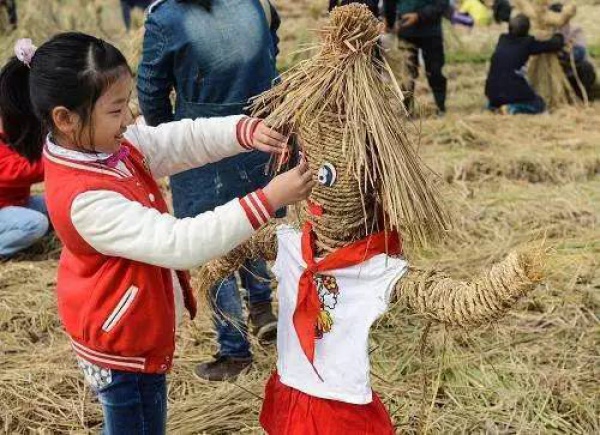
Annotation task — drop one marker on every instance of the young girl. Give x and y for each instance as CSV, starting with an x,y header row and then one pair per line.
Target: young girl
x,y
121,289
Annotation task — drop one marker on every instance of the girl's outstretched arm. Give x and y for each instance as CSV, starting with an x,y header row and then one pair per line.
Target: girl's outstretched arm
x,y
116,226
181,145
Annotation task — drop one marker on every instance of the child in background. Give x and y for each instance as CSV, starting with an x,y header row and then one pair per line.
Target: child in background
x,y
121,284
507,87
23,220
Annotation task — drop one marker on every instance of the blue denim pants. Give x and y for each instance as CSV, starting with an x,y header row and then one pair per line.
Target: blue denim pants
x,y
21,227
203,189
134,403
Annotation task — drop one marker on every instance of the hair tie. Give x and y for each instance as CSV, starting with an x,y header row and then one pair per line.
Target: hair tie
x,y
24,50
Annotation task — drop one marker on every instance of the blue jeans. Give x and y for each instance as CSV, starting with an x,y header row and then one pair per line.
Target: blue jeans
x,y
229,323
134,403
21,227
533,107
203,189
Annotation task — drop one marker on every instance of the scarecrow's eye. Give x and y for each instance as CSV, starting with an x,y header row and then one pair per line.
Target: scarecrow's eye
x,y
327,175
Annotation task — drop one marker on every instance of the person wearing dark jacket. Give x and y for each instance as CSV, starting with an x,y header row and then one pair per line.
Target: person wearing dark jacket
x,y
507,87
502,10
419,23
11,11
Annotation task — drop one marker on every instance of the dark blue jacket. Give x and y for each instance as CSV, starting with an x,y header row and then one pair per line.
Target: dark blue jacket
x,y
507,79
430,16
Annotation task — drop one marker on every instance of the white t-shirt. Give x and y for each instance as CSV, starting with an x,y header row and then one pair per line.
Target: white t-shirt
x,y
342,354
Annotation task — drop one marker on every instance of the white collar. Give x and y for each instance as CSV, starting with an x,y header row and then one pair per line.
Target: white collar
x,y
79,156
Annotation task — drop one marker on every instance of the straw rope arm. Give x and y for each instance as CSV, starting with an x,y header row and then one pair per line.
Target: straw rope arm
x,y
470,303
262,245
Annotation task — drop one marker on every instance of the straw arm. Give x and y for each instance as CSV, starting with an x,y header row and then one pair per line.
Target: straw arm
x,y
262,245
470,303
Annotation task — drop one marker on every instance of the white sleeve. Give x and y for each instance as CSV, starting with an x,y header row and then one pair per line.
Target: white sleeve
x,y
116,226
181,145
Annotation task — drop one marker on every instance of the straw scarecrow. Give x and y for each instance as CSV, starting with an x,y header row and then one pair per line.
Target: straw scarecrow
x,y
545,72
341,261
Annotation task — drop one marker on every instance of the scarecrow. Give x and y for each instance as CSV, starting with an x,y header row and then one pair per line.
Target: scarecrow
x,y
340,262
545,71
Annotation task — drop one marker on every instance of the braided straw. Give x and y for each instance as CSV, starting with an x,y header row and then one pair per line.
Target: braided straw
x,y
342,111
348,215
262,245
459,303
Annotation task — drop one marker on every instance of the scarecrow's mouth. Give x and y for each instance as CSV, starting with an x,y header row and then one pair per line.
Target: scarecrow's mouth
x,y
314,208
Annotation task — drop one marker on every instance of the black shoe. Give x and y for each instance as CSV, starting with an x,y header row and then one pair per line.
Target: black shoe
x,y
222,368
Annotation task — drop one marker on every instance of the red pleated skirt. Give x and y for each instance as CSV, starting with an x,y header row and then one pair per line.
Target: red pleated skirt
x,y
287,411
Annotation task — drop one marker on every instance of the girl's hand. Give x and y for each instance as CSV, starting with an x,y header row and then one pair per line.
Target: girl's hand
x,y
252,133
290,187
268,140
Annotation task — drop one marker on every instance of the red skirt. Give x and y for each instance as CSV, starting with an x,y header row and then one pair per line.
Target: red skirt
x,y
287,411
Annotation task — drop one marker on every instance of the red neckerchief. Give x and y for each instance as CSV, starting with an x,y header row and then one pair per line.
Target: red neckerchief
x,y
308,305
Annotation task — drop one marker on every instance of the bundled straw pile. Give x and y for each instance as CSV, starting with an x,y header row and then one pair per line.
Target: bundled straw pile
x,y
545,72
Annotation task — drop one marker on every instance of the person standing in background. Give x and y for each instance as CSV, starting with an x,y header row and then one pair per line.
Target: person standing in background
x,y
11,11
128,5
216,55
418,23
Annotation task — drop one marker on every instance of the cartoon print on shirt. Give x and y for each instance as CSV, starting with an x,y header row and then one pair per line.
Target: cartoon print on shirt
x,y
328,291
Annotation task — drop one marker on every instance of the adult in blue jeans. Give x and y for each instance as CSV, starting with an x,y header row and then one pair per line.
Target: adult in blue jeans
x,y
216,55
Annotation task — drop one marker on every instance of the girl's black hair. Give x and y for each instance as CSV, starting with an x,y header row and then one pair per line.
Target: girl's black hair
x,y
71,70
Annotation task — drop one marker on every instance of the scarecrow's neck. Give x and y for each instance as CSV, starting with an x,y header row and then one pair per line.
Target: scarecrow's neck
x,y
333,232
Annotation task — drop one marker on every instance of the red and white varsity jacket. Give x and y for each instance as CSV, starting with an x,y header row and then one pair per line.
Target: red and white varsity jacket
x,y
120,276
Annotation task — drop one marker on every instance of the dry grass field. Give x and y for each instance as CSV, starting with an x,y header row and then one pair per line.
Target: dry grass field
x,y
510,181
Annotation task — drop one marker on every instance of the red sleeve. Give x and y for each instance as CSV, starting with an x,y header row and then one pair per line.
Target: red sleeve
x,y
18,171
257,208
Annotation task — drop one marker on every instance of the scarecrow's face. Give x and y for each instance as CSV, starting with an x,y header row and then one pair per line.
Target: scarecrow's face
x,y
336,203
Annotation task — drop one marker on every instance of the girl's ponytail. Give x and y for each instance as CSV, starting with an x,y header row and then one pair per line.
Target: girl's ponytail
x,y
23,129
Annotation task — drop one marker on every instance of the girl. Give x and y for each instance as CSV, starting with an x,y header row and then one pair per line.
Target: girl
x,y
121,289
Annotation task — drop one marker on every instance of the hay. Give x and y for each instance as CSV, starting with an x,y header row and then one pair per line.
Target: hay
x,y
529,168
534,371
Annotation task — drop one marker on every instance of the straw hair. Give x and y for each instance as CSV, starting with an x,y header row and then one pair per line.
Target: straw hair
x,y
340,109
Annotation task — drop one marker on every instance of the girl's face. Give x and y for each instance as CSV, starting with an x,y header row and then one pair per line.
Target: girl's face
x,y
109,119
